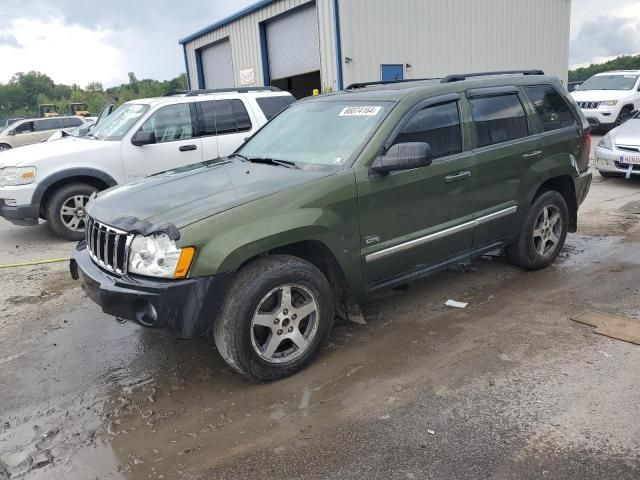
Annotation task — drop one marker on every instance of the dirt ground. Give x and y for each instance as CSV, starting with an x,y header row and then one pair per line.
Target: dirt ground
x,y
508,388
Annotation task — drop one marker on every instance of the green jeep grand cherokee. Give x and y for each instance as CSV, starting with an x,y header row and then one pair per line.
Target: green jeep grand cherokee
x,y
336,198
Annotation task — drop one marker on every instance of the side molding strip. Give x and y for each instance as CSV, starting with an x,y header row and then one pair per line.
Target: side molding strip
x,y
401,247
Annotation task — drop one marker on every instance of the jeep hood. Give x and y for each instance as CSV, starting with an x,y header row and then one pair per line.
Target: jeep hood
x,y
31,155
186,195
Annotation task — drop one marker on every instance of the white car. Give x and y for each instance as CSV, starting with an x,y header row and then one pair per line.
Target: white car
x,y
34,130
618,153
608,99
54,180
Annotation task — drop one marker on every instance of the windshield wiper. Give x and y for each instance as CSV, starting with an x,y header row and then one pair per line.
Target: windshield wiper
x,y
237,155
273,161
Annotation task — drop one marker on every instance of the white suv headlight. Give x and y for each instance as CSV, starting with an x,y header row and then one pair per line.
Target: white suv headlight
x,y
16,176
606,142
609,103
158,256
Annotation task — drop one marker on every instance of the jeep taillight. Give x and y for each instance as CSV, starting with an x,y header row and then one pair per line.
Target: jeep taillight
x,y
583,159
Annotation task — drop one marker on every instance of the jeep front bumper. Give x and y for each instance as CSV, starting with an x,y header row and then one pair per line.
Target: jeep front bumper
x,y
182,308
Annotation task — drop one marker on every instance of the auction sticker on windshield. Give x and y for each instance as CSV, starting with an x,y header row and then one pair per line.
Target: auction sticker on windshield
x,y
361,111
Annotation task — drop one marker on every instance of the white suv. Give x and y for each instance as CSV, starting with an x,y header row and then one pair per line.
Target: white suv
x,y
54,180
607,99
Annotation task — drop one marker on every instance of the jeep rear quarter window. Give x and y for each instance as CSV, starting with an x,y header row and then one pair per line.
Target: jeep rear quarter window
x,y
499,118
439,126
271,106
552,109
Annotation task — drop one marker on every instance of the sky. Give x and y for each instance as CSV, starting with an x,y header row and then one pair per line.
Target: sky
x,y
79,41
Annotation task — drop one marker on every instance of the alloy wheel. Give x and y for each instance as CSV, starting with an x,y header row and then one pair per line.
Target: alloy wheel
x,y
73,214
547,231
285,323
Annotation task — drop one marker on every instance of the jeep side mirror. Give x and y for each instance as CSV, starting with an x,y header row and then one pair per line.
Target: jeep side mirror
x,y
11,132
403,156
142,138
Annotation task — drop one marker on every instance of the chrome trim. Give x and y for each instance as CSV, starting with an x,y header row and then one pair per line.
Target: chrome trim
x,y
437,235
98,235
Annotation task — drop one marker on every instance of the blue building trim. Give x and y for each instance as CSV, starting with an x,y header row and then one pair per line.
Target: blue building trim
x,y
225,21
186,66
266,77
199,69
336,18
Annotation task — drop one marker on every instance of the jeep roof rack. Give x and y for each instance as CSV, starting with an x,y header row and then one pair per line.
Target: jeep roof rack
x,y
205,91
355,86
458,77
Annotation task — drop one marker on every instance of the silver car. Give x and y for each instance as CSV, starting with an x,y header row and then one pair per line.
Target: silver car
x,y
618,153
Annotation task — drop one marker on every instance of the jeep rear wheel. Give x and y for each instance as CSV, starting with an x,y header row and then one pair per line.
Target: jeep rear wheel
x,y
543,234
276,317
65,210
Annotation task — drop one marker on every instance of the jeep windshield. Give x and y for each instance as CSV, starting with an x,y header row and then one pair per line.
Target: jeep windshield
x,y
116,125
610,82
316,133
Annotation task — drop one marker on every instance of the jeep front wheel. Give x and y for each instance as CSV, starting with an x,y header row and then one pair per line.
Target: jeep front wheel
x,y
543,233
4,146
276,317
65,210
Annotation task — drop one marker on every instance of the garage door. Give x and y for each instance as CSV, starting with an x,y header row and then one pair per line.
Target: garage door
x,y
292,43
217,68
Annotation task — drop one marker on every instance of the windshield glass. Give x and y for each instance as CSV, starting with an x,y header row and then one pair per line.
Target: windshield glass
x,y
610,82
317,133
116,125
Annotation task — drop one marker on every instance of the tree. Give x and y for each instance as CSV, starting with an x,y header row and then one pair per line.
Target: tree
x,y
95,87
625,62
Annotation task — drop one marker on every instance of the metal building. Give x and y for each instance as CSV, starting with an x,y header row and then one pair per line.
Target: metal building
x,y
301,45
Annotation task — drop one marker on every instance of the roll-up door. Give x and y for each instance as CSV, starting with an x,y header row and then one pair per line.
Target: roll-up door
x,y
292,43
217,67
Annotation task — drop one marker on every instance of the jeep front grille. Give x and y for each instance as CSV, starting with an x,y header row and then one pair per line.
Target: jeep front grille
x,y
589,105
108,246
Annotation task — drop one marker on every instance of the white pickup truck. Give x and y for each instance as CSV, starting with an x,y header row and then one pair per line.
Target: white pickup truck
x,y
54,180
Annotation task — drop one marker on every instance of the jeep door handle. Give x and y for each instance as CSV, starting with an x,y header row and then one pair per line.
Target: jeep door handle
x,y
534,154
456,177
188,148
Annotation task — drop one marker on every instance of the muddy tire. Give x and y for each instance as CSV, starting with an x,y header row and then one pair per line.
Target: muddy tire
x,y
276,317
65,210
543,233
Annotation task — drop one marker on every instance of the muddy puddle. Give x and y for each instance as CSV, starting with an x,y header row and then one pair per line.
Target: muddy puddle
x,y
86,397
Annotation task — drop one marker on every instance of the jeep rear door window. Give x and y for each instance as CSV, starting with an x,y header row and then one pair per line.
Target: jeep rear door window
x,y
219,117
170,124
271,106
610,82
553,111
439,126
498,118
116,125
326,133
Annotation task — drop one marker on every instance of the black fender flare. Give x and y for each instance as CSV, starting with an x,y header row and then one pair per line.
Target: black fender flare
x,y
45,183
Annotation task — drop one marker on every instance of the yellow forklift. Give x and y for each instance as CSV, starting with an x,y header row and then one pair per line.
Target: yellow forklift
x,y
78,109
48,110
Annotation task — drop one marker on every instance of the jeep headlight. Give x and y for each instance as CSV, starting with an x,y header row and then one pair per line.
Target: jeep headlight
x,y
609,103
606,142
16,176
158,256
